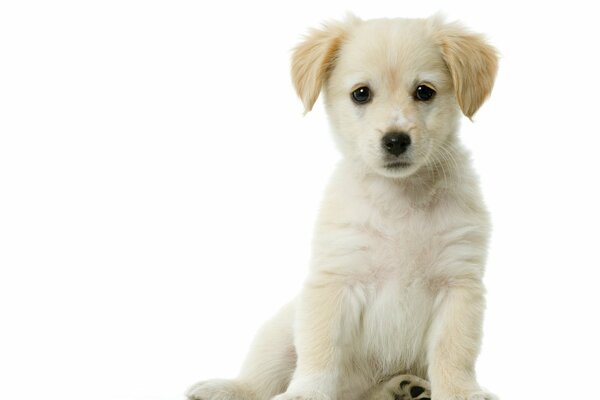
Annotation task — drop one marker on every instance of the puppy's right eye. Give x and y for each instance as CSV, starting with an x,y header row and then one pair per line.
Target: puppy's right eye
x,y
361,95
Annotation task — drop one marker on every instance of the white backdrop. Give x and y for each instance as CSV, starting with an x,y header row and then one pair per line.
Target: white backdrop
x,y
158,187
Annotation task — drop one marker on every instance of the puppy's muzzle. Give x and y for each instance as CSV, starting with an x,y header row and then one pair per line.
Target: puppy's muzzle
x,y
396,143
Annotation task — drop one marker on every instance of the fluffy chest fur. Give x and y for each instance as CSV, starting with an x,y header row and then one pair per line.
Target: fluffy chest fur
x,y
394,252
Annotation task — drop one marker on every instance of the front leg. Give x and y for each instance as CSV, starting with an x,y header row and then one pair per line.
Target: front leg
x,y
323,327
454,342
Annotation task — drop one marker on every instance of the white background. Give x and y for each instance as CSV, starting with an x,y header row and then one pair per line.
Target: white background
x,y
158,187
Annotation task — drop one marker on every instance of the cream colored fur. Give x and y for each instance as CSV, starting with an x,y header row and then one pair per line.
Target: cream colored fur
x,y
395,284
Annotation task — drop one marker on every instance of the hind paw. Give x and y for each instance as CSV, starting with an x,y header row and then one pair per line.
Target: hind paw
x,y
218,389
404,387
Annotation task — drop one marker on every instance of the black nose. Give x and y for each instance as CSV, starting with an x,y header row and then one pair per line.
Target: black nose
x,y
396,143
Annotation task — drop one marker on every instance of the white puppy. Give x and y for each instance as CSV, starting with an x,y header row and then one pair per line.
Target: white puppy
x,y
395,286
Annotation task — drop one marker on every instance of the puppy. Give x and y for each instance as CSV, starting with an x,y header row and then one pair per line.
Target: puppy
x,y
395,286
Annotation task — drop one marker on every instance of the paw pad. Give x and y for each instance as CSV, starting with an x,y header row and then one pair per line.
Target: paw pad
x,y
415,391
408,387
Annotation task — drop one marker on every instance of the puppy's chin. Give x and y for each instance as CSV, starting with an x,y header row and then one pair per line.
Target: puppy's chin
x,y
397,170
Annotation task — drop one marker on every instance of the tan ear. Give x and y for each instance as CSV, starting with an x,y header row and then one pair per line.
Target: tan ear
x,y
314,58
472,63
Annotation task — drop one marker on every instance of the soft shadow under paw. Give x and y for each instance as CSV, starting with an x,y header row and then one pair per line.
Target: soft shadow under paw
x,y
482,396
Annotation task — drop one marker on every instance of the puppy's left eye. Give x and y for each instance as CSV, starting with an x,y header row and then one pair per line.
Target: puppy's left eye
x,y
424,93
361,95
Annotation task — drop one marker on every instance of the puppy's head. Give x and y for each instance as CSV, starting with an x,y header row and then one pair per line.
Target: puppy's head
x,y
394,88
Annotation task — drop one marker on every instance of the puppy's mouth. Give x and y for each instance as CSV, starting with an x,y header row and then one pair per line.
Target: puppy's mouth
x,y
398,165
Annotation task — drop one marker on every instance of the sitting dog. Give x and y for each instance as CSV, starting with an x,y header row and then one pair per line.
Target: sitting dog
x,y
394,295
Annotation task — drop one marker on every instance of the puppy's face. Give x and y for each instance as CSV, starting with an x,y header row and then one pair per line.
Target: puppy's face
x,y
394,88
390,95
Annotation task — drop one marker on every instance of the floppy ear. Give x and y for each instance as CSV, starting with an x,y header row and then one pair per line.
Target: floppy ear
x,y
472,63
314,58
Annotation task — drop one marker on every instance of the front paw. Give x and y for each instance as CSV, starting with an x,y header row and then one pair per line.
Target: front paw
x,y
302,396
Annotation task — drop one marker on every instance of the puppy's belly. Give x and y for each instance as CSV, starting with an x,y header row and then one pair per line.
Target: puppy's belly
x,y
395,322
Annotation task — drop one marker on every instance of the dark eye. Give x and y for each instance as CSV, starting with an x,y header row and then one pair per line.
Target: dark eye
x,y
424,93
361,95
